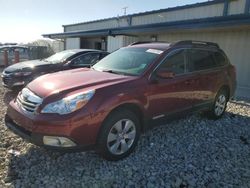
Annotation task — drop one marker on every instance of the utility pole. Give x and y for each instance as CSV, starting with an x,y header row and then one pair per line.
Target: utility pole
x,y
125,10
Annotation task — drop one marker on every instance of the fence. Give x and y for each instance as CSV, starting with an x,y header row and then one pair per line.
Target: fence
x,y
25,53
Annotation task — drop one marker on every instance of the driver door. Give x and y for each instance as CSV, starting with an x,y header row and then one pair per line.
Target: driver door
x,y
171,95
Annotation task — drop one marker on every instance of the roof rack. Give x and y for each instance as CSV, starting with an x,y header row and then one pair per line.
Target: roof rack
x,y
198,43
145,42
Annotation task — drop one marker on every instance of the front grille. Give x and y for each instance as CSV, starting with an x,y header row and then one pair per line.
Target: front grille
x,y
28,101
6,77
7,80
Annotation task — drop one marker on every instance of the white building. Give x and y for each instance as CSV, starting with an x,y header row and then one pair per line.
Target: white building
x,y
226,22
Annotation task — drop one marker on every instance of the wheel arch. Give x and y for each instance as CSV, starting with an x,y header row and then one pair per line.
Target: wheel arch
x,y
227,89
132,107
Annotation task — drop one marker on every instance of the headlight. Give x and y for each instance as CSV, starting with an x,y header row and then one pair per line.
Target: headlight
x,y
69,104
22,73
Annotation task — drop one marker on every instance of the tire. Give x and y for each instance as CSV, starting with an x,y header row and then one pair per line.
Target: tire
x,y
119,135
219,105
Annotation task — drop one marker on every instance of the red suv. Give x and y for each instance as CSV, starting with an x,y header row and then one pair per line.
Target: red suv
x,y
107,106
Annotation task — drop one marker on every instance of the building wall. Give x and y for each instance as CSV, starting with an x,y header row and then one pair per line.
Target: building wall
x,y
114,43
129,40
117,42
72,43
234,7
89,43
236,45
176,15
57,46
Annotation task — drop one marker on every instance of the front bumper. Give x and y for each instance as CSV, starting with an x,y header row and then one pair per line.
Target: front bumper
x,y
11,81
22,132
34,127
37,139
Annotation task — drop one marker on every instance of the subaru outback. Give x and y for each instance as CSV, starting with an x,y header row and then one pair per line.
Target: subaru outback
x,y
107,106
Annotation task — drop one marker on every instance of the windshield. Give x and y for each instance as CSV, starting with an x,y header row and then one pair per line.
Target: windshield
x,y
59,57
130,61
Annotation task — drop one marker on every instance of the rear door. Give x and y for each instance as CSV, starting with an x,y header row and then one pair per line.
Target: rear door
x,y
202,64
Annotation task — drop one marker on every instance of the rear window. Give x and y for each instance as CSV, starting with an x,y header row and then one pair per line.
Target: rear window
x,y
60,56
200,60
220,59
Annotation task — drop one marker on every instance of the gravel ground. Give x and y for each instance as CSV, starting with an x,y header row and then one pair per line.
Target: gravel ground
x,y
189,152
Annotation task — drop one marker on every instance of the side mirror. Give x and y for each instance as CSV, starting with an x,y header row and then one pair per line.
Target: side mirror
x,y
165,74
66,63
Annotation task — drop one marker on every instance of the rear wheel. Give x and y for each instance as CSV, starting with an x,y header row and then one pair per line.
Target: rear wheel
x,y
219,105
119,135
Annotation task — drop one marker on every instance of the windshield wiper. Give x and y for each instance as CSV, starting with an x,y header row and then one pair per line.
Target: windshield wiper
x,y
44,59
91,67
114,72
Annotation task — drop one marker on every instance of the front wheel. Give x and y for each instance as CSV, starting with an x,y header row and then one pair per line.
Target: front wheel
x,y
119,135
219,105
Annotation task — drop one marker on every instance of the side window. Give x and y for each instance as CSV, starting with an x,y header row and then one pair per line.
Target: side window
x,y
103,55
200,60
85,60
175,62
220,59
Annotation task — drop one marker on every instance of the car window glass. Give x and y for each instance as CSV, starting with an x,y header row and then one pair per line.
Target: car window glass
x,y
132,61
103,55
200,60
88,59
60,56
220,59
175,63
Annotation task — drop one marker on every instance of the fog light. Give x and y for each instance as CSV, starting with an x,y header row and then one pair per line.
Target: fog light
x,y
19,83
58,141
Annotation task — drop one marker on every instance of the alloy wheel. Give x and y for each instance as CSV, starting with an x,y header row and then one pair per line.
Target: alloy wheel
x,y
121,136
220,105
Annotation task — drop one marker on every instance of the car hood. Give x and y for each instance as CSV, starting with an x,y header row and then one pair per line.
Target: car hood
x,y
25,65
71,80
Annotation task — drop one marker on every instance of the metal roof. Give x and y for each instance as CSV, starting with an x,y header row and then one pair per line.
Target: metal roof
x,y
213,22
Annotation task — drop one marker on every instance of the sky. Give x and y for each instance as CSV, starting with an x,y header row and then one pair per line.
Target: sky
x,y
26,20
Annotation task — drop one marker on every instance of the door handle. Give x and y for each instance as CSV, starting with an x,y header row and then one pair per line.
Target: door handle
x,y
192,81
188,82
